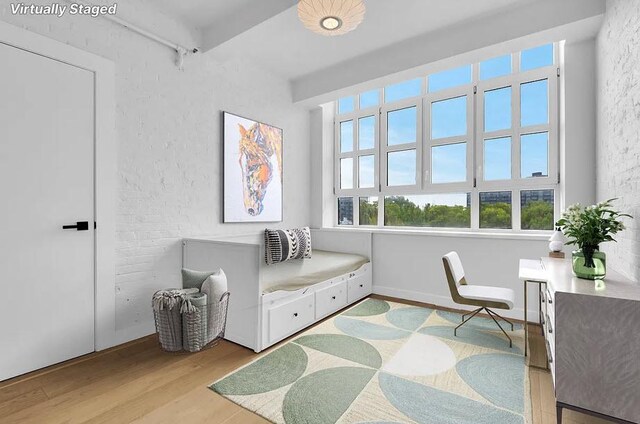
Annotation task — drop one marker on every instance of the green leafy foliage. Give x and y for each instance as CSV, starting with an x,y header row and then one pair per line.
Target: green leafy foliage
x,y
368,213
537,215
495,215
400,211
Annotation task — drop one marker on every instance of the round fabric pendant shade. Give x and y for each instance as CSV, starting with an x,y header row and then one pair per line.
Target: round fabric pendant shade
x,y
331,17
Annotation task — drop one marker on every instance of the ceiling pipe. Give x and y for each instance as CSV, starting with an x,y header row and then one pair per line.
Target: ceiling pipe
x,y
180,50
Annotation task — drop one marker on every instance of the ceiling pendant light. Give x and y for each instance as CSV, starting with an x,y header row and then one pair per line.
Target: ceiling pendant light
x,y
331,17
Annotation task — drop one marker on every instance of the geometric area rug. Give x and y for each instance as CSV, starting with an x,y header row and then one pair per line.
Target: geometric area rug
x,y
386,362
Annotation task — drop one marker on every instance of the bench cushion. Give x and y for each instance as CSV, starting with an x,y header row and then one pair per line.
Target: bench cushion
x,y
296,274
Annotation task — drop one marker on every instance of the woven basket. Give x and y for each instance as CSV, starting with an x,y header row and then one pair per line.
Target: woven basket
x,y
194,322
168,319
217,319
189,321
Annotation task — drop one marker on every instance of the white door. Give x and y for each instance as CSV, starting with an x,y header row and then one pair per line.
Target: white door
x,y
46,182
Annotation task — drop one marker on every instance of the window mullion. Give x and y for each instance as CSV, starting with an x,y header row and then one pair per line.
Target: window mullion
x,y
515,141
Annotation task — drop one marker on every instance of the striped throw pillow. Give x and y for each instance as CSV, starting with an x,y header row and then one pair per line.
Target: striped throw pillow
x,y
284,245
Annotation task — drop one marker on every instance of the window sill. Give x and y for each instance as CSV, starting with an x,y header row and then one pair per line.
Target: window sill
x,y
507,235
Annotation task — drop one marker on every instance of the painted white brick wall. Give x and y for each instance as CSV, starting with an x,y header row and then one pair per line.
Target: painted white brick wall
x,y
169,144
618,144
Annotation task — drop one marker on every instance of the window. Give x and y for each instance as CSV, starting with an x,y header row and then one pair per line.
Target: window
x,y
346,173
345,211
403,90
455,149
448,79
369,99
497,109
401,168
428,210
368,211
496,67
497,159
346,105
536,209
495,209
346,136
538,57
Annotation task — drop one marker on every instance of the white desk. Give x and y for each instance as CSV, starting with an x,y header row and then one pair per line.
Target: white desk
x,y
592,339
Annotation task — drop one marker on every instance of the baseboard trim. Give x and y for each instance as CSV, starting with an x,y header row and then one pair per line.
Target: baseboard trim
x,y
446,302
133,333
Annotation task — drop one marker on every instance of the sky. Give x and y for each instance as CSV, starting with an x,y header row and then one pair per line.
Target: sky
x,y
448,118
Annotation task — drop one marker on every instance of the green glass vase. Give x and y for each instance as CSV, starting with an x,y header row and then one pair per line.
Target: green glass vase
x,y
583,269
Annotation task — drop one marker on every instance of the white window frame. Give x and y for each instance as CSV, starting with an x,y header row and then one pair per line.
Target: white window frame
x,y
429,143
385,149
474,139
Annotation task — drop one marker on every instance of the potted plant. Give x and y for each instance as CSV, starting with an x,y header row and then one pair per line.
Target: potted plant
x,y
587,228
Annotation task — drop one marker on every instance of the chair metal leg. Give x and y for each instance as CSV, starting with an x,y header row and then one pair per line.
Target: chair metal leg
x,y
464,321
467,314
502,318
490,312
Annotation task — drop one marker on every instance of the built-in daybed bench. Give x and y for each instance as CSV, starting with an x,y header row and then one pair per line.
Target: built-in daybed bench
x,y
271,302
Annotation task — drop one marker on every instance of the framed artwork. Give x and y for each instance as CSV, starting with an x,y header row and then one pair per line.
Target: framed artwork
x,y
252,170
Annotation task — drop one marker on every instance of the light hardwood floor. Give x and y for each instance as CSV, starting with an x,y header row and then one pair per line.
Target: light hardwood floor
x,y
137,382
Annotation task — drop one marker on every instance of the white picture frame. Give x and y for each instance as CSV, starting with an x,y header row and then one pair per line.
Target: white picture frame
x,y
253,170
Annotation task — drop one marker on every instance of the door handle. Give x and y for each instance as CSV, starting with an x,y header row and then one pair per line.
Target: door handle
x,y
79,226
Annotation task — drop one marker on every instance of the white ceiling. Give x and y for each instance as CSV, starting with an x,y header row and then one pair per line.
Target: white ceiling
x,y
202,13
280,43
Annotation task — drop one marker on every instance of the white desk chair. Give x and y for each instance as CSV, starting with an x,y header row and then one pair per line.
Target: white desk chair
x,y
483,296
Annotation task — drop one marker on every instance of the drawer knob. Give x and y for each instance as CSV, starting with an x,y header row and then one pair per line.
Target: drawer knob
x,y
361,285
295,314
333,297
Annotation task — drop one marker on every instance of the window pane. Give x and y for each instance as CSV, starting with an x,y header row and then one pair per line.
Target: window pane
x,y
401,168
366,170
366,132
346,136
449,118
534,155
402,126
346,173
536,209
497,159
430,210
449,163
368,211
534,103
496,67
495,209
497,109
536,57
403,90
345,210
346,104
450,78
369,99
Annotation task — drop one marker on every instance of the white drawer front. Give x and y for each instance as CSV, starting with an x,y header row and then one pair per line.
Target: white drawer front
x,y
290,317
330,299
359,286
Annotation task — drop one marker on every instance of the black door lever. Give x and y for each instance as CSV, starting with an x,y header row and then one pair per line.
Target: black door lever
x,y
79,226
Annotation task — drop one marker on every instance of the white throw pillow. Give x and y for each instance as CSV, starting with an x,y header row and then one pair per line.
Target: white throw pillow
x,y
214,287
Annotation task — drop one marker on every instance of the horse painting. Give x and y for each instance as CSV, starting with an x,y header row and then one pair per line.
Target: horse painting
x,y
257,146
